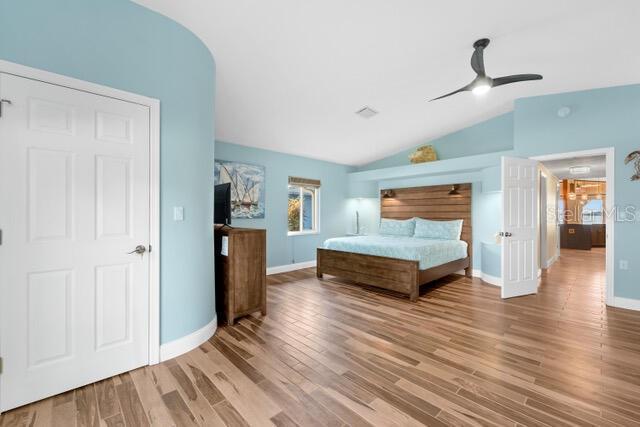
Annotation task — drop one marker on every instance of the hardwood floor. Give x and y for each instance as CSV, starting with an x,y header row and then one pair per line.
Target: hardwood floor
x,y
330,353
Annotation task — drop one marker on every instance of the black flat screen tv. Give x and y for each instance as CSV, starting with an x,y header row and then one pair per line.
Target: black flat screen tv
x,y
222,204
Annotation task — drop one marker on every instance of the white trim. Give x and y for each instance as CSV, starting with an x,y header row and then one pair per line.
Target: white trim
x,y
187,343
290,267
552,260
154,178
609,153
628,303
316,212
154,233
302,233
488,278
72,83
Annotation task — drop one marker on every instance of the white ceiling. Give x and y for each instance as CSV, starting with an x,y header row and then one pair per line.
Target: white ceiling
x,y
291,73
560,168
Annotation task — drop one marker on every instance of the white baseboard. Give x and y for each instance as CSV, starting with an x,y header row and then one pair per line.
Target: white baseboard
x,y
290,267
628,303
492,280
487,278
187,343
552,260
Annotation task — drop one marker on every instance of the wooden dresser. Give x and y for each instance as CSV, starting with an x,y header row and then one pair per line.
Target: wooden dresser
x,y
241,274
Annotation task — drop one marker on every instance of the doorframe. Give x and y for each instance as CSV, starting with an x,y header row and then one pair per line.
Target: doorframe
x,y
154,177
609,153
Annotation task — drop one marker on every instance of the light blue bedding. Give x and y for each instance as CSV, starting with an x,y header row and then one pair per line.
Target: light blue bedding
x,y
429,252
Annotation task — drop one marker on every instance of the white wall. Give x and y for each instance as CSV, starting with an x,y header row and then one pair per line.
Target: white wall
x,y
549,233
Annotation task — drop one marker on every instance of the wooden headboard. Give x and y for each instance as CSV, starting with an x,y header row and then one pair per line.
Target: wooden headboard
x,y
433,202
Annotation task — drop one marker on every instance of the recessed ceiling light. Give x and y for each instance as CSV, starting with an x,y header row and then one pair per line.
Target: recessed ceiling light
x,y
564,112
579,170
366,112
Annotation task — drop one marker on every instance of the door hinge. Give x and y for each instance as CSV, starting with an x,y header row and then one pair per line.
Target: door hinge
x,y
2,102
0,365
149,248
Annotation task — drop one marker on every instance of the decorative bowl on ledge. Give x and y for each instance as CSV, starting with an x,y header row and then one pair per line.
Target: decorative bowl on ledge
x,y
423,154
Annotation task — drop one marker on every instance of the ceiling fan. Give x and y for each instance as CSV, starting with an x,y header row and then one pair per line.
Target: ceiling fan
x,y
483,83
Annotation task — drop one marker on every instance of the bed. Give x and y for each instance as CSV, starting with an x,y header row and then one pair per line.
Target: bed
x,y
403,263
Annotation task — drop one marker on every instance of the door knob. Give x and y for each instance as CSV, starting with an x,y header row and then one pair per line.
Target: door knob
x,y
140,249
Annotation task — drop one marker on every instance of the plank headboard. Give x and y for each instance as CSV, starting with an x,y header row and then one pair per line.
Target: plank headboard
x,y
433,202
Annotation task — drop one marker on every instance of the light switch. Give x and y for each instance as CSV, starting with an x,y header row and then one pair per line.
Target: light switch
x,y
178,213
624,264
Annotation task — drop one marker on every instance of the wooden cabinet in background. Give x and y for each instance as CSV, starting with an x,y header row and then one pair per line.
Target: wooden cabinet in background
x,y
575,236
598,235
241,274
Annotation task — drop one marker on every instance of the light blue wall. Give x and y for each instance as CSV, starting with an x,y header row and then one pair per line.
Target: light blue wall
x,y
123,45
600,118
282,249
486,137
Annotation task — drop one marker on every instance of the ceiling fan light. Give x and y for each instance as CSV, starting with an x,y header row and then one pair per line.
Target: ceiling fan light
x,y
481,89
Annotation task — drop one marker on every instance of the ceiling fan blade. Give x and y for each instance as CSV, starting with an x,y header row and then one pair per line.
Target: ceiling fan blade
x,y
477,61
462,89
515,78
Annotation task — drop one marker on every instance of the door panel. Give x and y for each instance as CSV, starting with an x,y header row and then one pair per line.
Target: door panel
x,y
74,192
50,182
49,307
520,226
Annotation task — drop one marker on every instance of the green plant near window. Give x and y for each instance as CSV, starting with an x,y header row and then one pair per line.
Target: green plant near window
x,y
293,214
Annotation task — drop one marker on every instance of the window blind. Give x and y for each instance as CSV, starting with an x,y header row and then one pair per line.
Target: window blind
x,y
304,182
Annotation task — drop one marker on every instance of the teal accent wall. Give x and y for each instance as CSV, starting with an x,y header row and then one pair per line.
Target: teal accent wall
x,y
283,249
600,118
120,44
493,135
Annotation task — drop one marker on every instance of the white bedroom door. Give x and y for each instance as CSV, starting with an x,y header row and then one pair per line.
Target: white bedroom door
x,y
519,227
74,202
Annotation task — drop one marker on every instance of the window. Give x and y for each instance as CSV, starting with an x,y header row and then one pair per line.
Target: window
x,y
592,212
302,212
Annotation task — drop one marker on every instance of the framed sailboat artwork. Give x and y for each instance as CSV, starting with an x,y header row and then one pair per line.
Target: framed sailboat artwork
x,y
247,187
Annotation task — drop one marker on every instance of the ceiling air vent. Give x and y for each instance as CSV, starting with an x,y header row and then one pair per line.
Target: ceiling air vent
x,y
366,112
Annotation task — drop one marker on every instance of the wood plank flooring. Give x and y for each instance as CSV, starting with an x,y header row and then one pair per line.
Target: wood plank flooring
x,y
333,354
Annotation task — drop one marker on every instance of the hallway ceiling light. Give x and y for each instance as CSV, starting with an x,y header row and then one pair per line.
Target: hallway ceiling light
x,y
579,170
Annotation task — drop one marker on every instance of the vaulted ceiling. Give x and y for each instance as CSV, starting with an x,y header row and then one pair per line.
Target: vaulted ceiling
x,y
291,74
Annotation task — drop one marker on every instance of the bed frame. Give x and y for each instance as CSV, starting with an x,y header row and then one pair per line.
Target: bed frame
x,y
400,275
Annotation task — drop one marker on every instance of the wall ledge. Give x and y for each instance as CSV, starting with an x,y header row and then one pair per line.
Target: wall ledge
x,y
290,267
456,165
187,343
627,303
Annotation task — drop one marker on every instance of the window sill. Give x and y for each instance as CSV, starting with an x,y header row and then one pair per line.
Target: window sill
x,y
302,233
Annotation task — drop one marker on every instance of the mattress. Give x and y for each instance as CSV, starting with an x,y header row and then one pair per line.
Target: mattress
x,y
428,252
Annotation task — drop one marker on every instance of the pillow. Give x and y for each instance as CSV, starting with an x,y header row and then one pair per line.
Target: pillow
x,y
443,230
394,227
